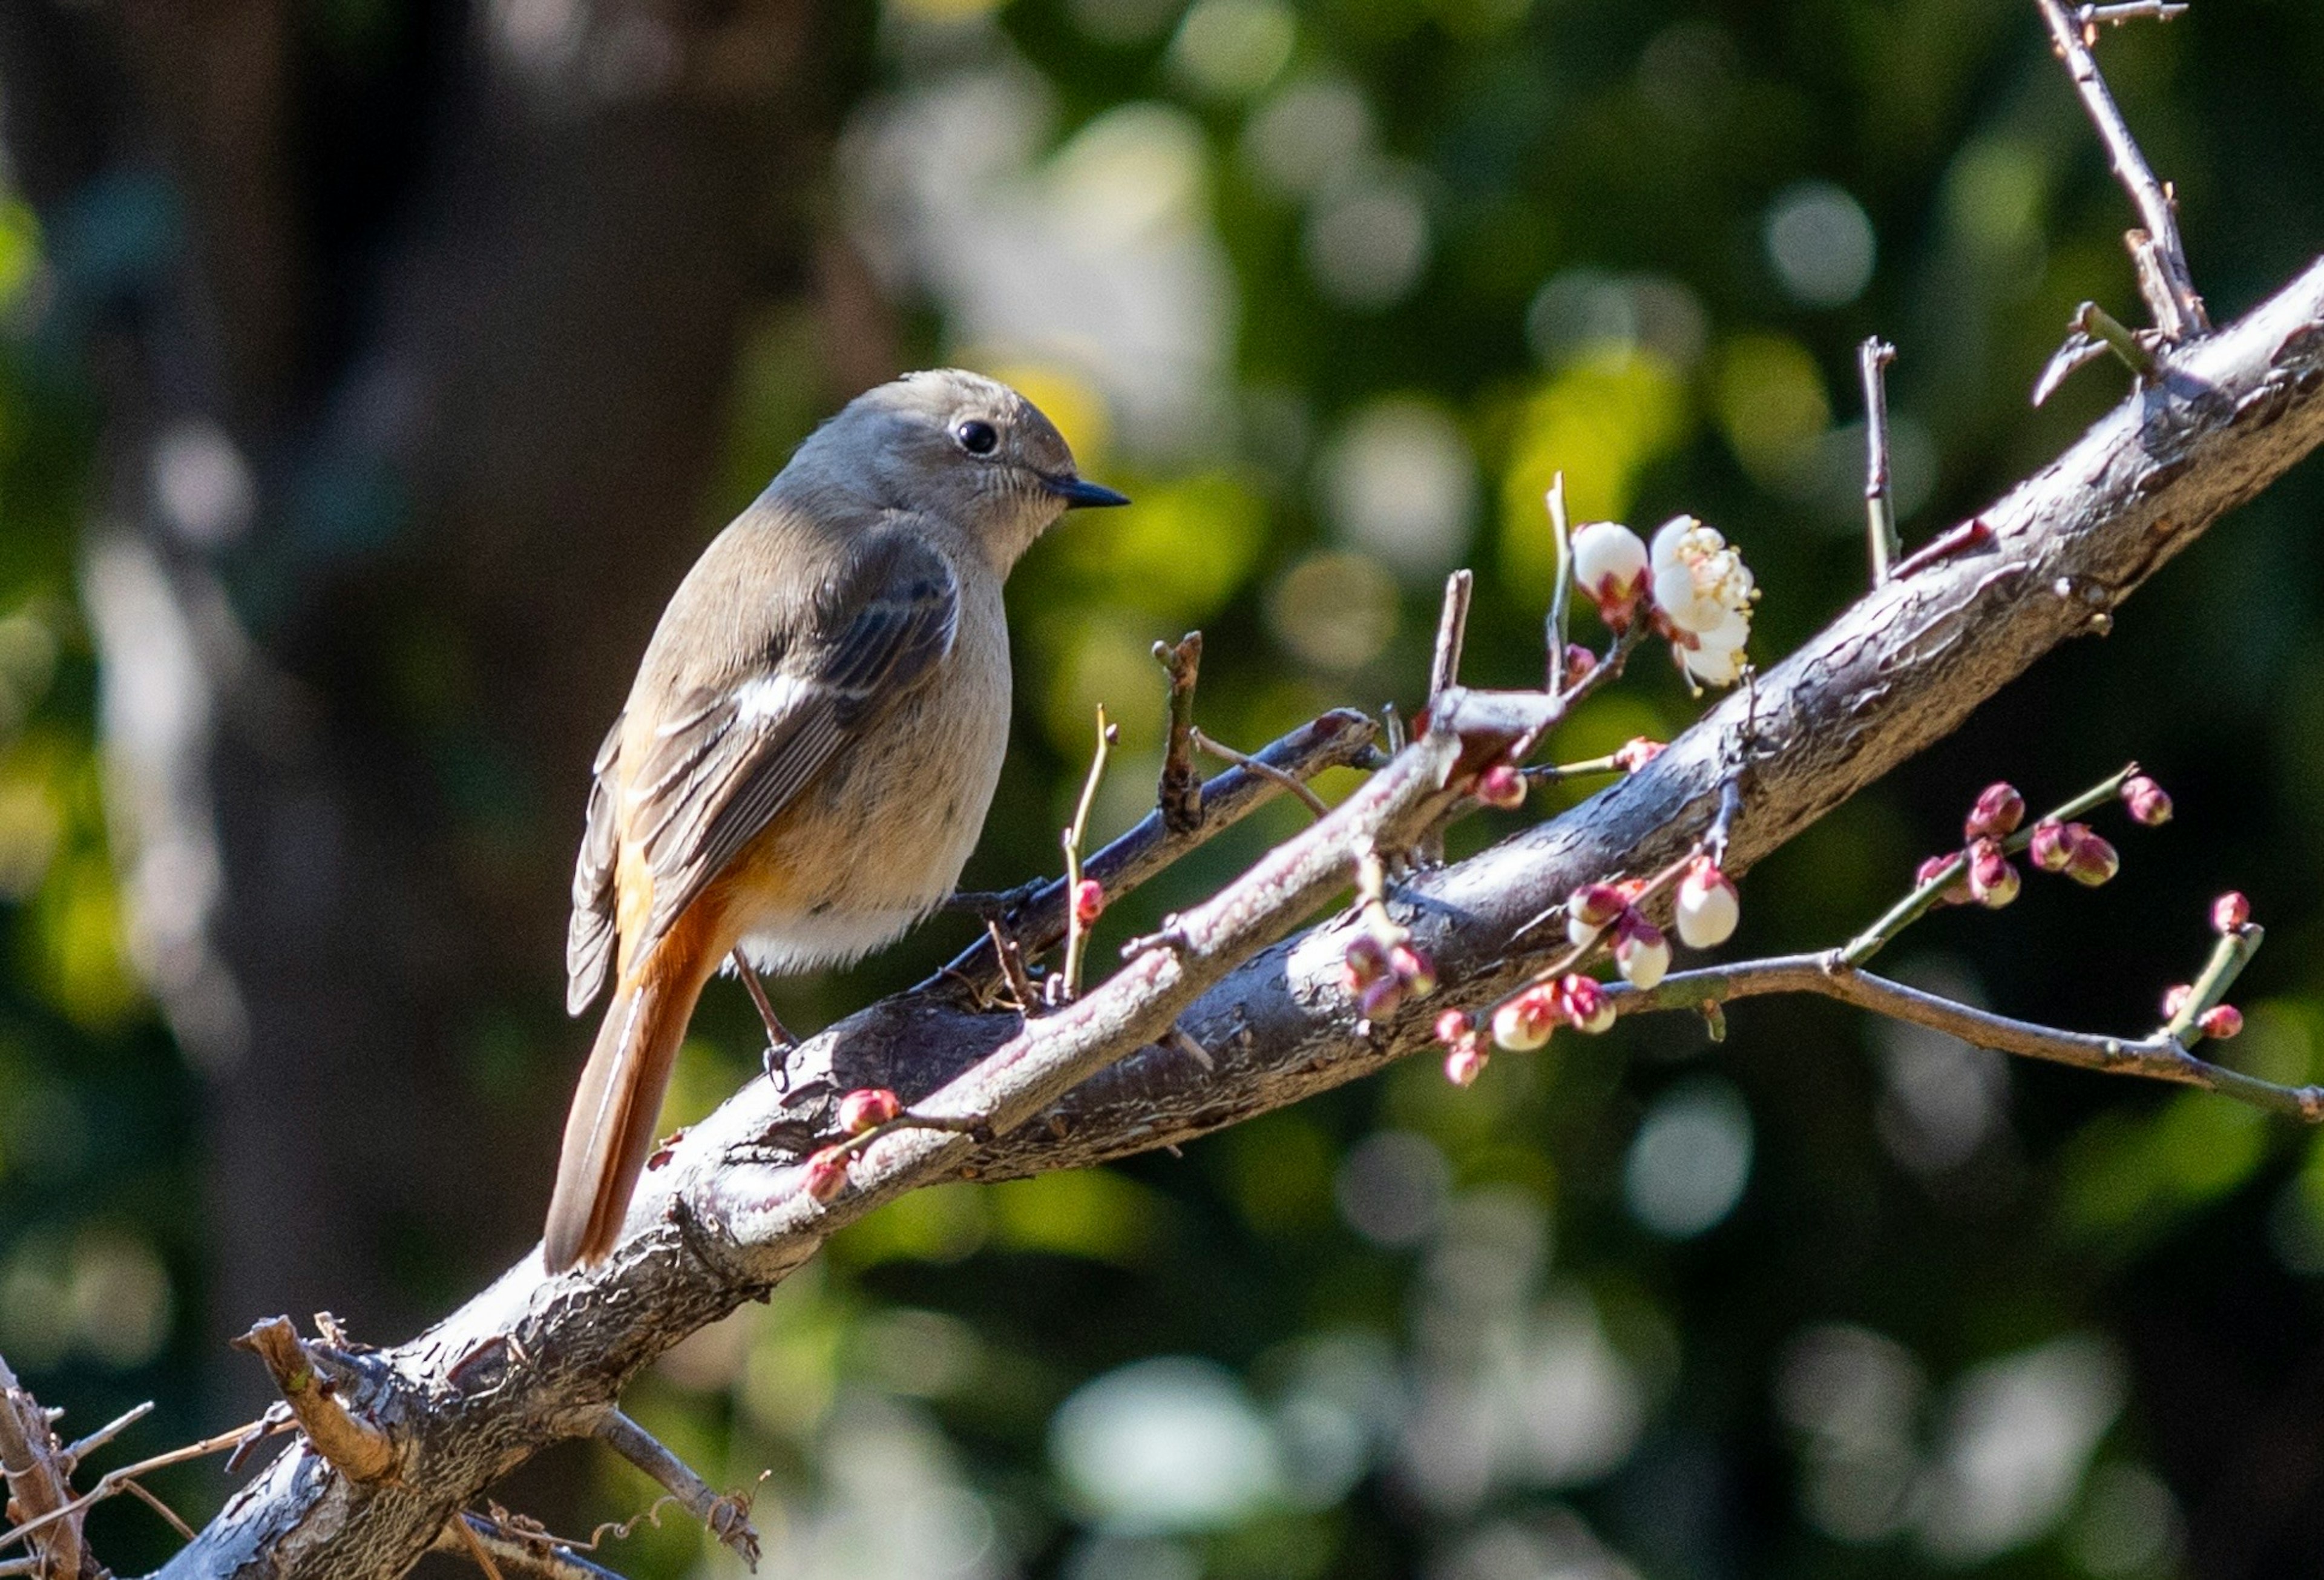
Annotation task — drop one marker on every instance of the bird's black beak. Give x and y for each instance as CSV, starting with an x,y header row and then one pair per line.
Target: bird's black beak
x,y
1081,490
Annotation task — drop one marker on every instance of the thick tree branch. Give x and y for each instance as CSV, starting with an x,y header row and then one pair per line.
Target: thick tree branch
x,y
534,1358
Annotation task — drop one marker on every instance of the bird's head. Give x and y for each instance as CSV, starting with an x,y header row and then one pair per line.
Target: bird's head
x,y
959,447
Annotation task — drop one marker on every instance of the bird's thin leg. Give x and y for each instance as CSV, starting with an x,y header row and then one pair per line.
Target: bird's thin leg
x,y
779,1041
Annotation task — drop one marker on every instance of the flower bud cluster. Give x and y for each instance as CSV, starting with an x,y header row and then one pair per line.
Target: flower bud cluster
x,y
1383,966
1700,590
1706,910
1989,878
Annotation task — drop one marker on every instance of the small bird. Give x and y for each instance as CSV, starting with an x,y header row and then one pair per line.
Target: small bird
x,y
808,751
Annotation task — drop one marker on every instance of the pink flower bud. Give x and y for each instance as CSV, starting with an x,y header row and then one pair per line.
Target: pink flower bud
x,y
1636,753
1992,878
1524,1023
1413,968
1580,661
2174,999
1641,954
1500,786
2231,912
1591,908
827,1174
1366,962
1381,998
1465,1063
2221,1021
1708,907
1089,900
1582,1001
1999,811
859,1111
1954,893
2052,845
2148,801
2092,860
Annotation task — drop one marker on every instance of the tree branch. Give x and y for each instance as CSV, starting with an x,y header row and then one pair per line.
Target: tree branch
x,y
2157,1058
2160,257
534,1359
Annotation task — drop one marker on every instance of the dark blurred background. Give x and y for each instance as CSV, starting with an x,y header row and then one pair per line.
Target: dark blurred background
x,y
372,371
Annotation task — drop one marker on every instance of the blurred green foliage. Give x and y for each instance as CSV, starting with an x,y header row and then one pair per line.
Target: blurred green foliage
x,y
1896,1308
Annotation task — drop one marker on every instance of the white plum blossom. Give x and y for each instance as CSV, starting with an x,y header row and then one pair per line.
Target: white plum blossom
x,y
1705,592
1609,563
1708,906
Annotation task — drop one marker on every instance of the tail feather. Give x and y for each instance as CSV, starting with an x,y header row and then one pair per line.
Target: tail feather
x,y
611,1127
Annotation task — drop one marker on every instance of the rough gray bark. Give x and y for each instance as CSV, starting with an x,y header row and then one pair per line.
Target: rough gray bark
x,y
533,1359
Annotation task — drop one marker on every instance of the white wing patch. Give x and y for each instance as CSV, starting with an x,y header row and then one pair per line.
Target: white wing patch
x,y
769,696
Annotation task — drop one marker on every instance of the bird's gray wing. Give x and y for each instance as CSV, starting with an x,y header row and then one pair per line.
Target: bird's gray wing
x,y
730,757
589,936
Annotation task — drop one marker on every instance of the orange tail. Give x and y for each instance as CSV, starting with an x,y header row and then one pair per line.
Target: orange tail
x,y
611,1126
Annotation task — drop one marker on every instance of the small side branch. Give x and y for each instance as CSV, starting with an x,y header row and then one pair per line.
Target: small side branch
x,y
38,1481
1179,794
2160,255
726,1516
1872,360
360,1450
493,1547
1452,632
1444,669
1035,915
1561,596
2158,1058
1261,767
1068,981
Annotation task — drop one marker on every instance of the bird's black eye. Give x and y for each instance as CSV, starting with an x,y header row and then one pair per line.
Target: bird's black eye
x,y
977,437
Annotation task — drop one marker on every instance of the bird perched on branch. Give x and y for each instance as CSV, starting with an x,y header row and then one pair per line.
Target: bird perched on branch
x,y
812,741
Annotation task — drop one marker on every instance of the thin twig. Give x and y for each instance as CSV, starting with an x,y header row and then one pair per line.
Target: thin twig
x,y
1452,632
1037,911
2229,956
726,1516
2157,1058
1925,895
113,1479
1560,595
146,1496
1013,967
1068,981
1551,773
357,1447
2107,331
1445,671
2169,286
38,1481
474,1547
2122,10
1178,793
1872,360
105,1433
517,1553
1250,764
